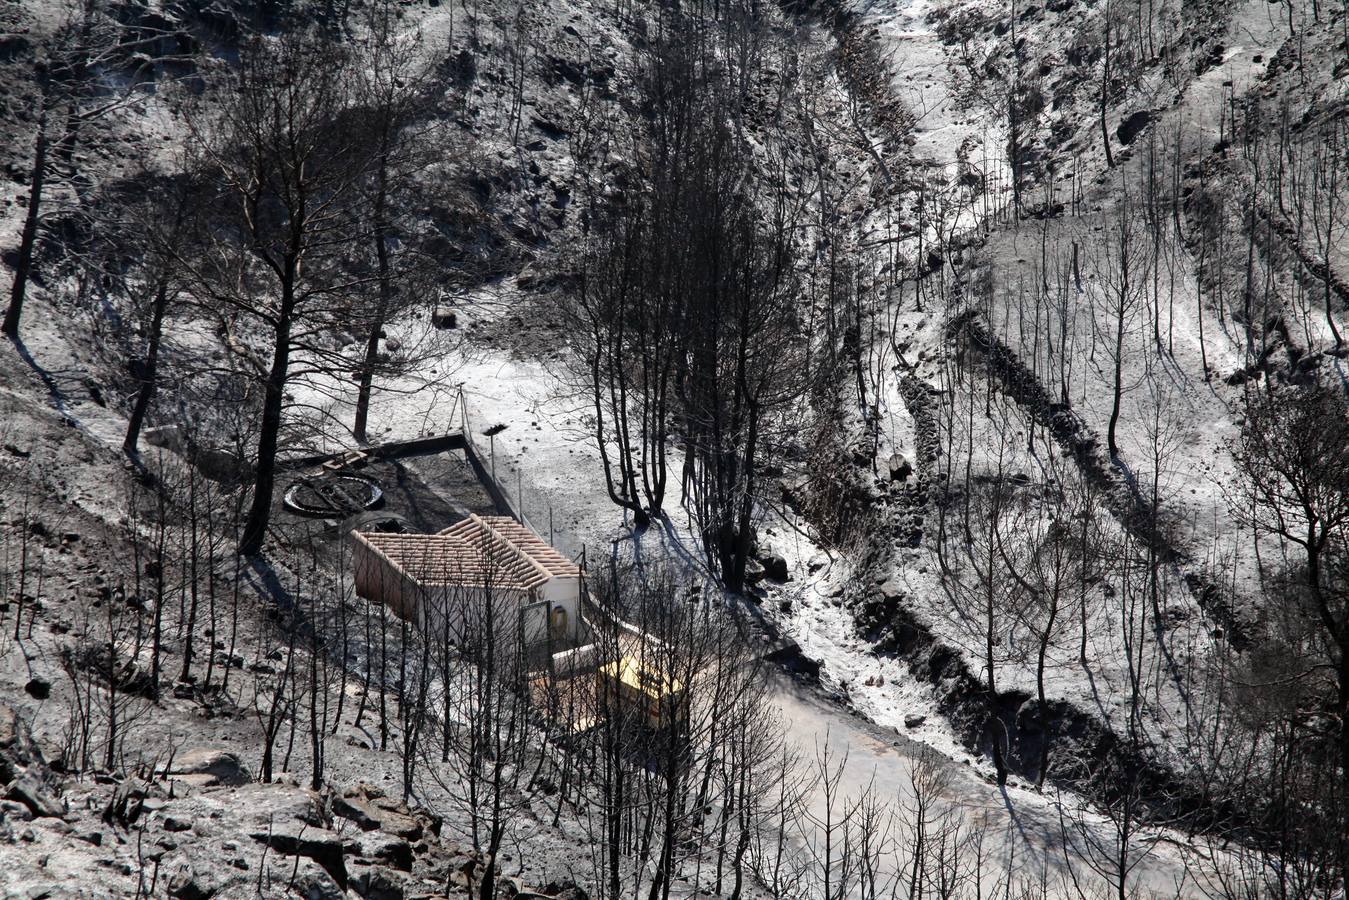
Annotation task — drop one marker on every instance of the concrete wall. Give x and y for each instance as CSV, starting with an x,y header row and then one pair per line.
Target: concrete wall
x,y
565,592
460,613
379,581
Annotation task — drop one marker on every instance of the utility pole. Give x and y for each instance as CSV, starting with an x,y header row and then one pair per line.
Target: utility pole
x,y
492,451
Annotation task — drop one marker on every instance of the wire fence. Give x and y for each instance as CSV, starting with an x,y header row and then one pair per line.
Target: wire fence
x,y
512,492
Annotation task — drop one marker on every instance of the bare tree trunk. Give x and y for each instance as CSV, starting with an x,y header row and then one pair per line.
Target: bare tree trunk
x,y
1117,394
148,371
255,529
23,267
1105,92
367,375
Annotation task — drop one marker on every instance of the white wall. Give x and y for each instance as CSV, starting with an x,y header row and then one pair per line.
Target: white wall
x,y
565,591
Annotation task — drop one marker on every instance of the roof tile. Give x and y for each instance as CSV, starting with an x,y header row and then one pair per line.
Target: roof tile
x,y
478,551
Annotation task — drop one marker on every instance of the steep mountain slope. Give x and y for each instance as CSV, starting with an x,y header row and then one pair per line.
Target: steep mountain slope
x,y
1073,238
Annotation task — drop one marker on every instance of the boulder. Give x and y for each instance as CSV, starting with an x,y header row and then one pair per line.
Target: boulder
x,y
1309,363
23,771
754,571
174,823
187,879
378,883
356,810
775,567
914,720
464,867
891,589
900,467
365,804
13,810
129,800
564,889
208,766
318,844
1134,123
278,802
33,793
18,752
405,826
385,849
315,882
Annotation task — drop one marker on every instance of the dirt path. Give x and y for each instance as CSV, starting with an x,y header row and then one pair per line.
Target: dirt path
x,y
1021,832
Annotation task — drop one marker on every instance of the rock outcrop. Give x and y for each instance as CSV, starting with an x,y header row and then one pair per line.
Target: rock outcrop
x,y
24,774
206,766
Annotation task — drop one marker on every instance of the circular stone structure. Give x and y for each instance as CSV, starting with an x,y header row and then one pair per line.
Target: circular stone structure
x,y
332,496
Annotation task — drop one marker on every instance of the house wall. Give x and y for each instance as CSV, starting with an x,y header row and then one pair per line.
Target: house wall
x,y
565,591
464,608
379,581
457,612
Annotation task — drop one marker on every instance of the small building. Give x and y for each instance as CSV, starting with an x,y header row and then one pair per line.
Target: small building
x,y
481,565
638,685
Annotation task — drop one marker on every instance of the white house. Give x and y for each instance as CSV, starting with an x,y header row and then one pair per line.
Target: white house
x,y
452,578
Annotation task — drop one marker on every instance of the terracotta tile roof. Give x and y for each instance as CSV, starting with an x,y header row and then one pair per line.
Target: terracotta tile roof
x,y
479,551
